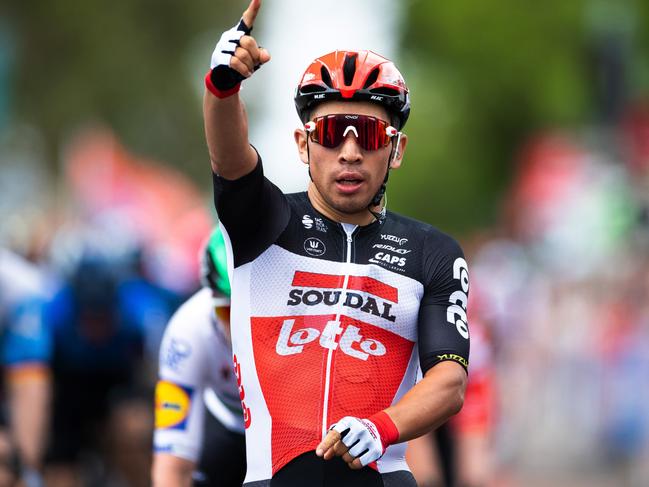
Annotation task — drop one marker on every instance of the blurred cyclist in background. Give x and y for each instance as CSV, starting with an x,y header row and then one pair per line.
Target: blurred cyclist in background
x,y
25,349
101,416
199,422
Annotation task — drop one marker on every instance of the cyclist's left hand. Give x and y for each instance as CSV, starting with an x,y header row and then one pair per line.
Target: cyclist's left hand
x,y
356,440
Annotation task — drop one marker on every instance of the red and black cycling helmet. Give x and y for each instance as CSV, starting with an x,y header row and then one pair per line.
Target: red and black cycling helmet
x,y
354,76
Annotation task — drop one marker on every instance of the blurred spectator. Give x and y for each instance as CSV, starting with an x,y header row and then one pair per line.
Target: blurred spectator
x,y
100,318
25,348
460,453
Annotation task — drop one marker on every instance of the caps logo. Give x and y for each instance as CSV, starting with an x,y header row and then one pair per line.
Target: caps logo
x,y
172,404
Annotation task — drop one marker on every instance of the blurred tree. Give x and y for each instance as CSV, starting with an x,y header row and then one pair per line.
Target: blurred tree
x,y
120,62
485,75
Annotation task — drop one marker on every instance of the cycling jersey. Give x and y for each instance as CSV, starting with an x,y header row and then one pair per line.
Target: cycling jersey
x,y
195,369
331,319
24,338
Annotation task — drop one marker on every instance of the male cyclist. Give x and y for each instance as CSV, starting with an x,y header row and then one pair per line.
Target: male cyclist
x,y
196,375
336,300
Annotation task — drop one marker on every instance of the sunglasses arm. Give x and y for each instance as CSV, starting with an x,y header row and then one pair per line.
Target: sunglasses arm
x,y
391,131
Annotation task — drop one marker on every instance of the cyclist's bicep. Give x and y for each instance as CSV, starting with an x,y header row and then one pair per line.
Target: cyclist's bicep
x,y
443,323
253,212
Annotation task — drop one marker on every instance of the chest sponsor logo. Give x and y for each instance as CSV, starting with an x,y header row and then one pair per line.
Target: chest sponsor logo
x,y
389,259
176,353
391,248
349,339
393,238
307,221
364,293
456,312
320,225
172,405
314,246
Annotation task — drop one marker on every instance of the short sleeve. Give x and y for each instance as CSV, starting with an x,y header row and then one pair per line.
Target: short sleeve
x,y
443,327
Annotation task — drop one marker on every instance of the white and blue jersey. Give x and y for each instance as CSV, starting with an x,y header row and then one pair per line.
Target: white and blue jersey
x,y
195,373
24,337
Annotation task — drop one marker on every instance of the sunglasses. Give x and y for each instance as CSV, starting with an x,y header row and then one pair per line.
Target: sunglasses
x,y
331,130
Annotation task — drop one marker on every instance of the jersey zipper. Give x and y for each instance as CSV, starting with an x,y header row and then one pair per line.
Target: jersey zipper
x,y
348,259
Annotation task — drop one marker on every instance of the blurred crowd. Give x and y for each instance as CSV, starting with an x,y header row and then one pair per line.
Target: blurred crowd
x,y
562,287
92,267
94,263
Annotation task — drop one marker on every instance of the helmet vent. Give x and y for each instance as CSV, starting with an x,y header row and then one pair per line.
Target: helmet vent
x,y
349,68
371,78
312,88
326,77
385,91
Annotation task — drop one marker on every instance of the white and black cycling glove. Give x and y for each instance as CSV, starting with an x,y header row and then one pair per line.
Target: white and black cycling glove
x,y
367,438
222,80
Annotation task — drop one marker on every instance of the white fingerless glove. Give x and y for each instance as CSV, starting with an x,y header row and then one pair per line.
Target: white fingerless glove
x,y
367,438
222,80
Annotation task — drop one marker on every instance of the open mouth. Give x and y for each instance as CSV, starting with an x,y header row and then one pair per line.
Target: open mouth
x,y
349,181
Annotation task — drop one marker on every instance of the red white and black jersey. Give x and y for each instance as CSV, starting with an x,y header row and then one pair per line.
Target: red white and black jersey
x,y
331,319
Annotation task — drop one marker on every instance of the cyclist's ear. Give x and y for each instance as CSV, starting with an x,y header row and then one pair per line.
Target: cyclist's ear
x,y
397,157
301,142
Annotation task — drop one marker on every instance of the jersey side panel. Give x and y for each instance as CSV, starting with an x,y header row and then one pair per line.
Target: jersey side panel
x,y
255,411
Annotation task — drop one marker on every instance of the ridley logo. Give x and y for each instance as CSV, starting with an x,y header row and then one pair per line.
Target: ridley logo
x,y
247,418
333,336
314,246
392,238
391,249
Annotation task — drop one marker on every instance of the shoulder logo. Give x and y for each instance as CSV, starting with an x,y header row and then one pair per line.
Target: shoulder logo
x,y
176,353
314,246
172,405
456,312
307,221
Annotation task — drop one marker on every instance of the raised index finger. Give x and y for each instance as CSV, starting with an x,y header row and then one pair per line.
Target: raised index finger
x,y
251,12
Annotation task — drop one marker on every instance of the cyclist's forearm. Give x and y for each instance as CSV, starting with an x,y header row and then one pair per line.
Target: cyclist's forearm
x,y
431,402
29,391
226,131
171,471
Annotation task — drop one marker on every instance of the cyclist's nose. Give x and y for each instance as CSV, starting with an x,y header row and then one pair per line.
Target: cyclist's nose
x,y
350,151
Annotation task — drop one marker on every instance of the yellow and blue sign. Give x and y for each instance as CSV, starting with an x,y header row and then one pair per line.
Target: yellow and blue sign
x,y
172,404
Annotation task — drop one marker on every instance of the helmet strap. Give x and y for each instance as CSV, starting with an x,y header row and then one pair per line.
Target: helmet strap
x,y
394,153
308,158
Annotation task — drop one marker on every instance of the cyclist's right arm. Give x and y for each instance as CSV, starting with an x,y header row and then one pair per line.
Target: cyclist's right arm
x,y
252,210
172,471
226,122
